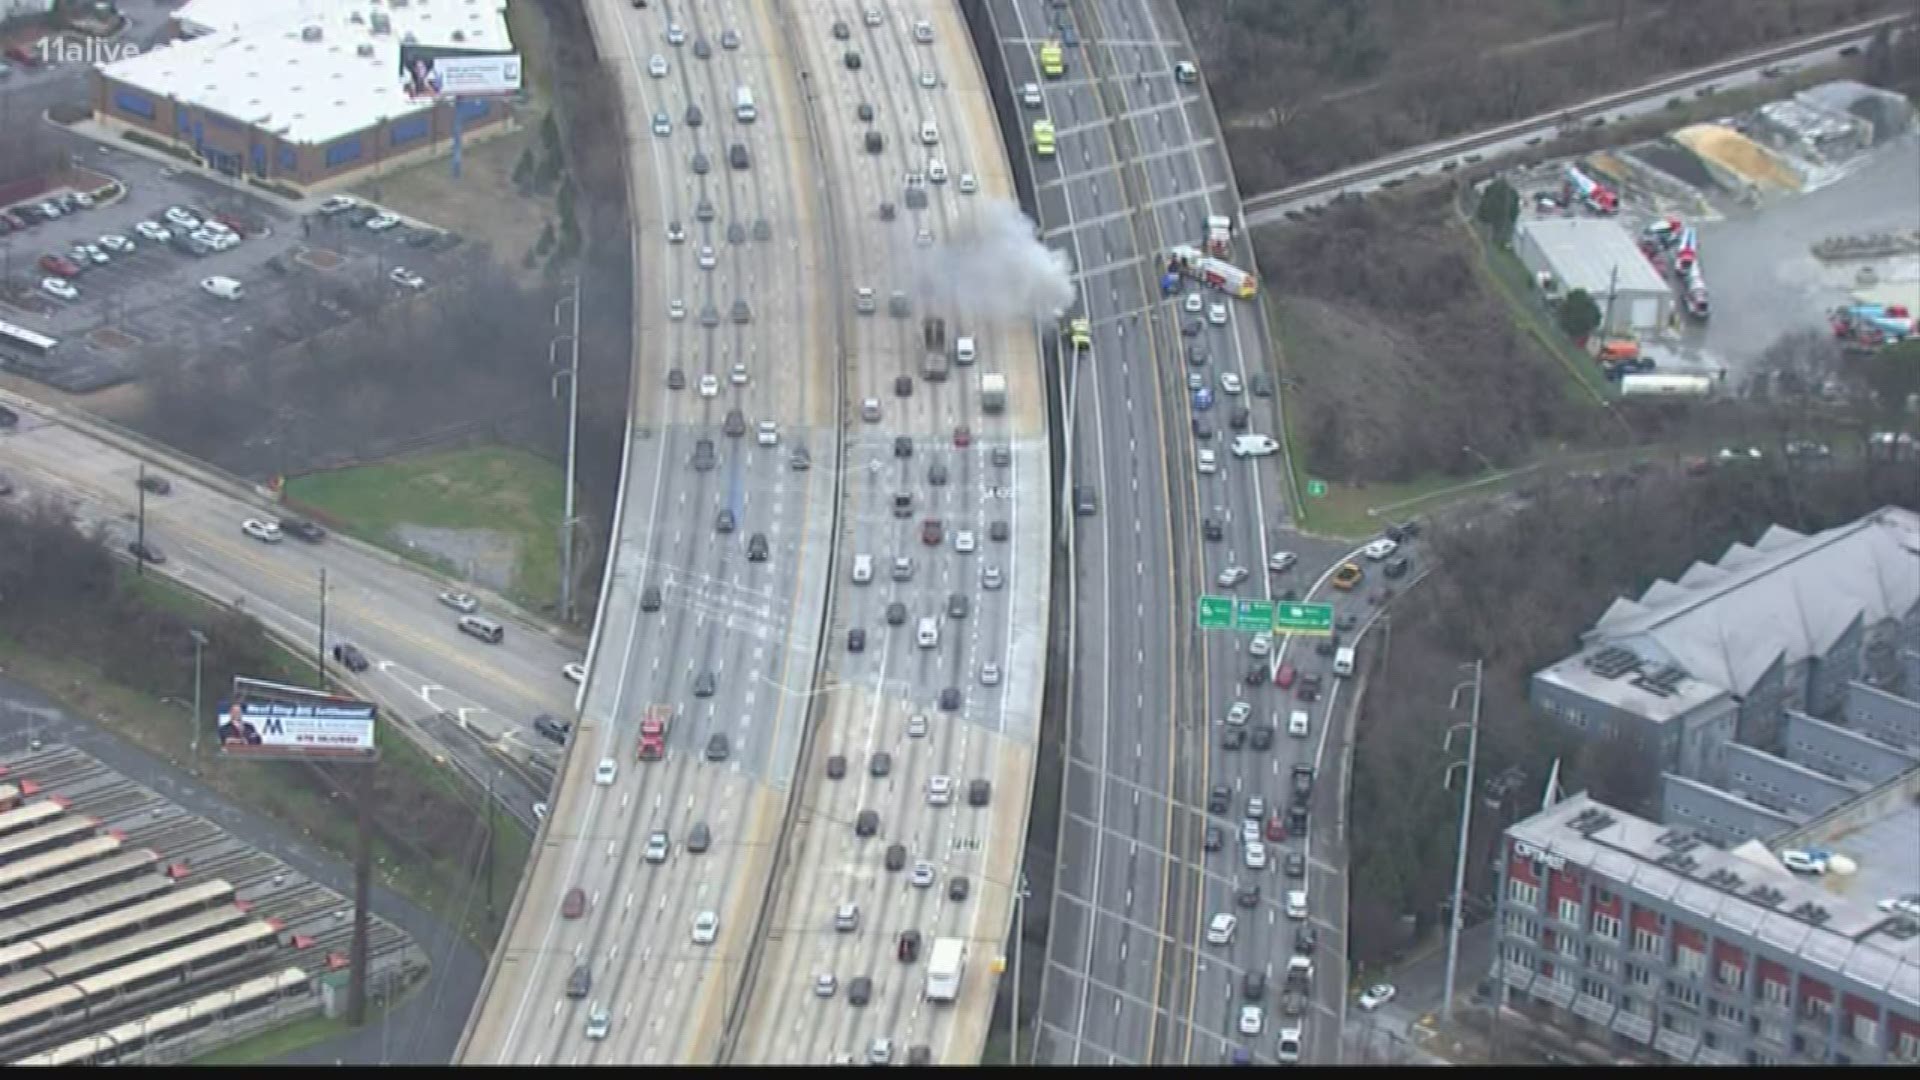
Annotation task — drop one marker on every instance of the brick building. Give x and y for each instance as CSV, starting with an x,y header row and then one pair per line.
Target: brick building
x,y
1665,948
298,91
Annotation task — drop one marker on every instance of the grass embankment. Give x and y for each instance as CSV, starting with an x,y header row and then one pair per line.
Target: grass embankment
x,y
513,494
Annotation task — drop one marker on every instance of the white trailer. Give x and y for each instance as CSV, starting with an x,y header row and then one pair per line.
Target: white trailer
x,y
1680,385
945,965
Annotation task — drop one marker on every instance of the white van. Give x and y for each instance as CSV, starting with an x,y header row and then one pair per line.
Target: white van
x,y
1297,724
743,109
963,350
1343,661
223,287
862,569
929,635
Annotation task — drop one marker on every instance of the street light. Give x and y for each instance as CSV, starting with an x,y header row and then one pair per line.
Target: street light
x,y
1466,821
193,728
572,338
1020,897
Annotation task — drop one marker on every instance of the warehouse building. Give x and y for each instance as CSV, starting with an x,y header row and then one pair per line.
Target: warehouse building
x,y
1657,947
301,92
1597,255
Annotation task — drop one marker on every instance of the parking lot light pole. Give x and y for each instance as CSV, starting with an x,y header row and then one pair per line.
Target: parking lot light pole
x,y
1466,821
193,728
567,518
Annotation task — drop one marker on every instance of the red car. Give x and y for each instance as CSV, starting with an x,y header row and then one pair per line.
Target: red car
x,y
962,436
1276,829
575,905
23,56
1284,677
59,266
930,532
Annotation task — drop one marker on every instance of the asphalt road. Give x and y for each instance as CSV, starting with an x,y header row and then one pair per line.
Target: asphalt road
x,y
868,696
753,625
422,666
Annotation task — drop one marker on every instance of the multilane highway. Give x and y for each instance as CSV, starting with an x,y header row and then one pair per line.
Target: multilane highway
x,y
884,734
750,627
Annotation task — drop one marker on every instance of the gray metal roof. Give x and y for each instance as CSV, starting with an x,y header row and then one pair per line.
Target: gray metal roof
x,y
1586,252
1786,597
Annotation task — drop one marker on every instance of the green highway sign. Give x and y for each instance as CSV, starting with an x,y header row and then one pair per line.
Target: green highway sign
x,y
1254,615
1303,618
1216,613
1316,489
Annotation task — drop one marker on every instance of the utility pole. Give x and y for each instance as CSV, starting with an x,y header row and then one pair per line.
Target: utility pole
x,y
1020,895
320,646
362,899
572,338
488,870
140,529
193,729
1466,822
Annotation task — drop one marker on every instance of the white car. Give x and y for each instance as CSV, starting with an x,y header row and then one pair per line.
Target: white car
x,y
990,674
1254,855
707,259
1289,1045
1296,903
460,602
870,410
266,532
1804,862
575,672
59,289
83,200
382,222
1254,445
923,31
922,874
1297,723
603,776
1376,996
657,67
923,238
929,80
676,233
937,171
657,847
917,726
48,210
706,927
1260,645
1030,95
93,254
181,218
1237,714
1904,905
599,1022
1229,383
929,133
116,243
662,124
676,310
871,16
1249,831
939,790
824,984
737,375
1194,304
968,185
1251,1019
1281,561
1231,576
1217,314
1207,463
218,241
768,434
1220,930
709,385
880,1052
1256,809
990,578
676,35
539,811
863,301
153,231
963,541
406,278
1380,549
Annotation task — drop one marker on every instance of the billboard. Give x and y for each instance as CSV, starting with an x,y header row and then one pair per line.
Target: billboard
x,y
269,720
430,71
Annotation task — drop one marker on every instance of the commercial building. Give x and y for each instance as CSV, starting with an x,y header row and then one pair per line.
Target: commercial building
x,y
1660,947
1597,255
1786,625
301,92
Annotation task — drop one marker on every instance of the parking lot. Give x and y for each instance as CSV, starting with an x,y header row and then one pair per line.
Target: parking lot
x,y
144,309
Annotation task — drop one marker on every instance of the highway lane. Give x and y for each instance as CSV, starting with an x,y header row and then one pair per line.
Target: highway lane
x,y
1105,921
868,696
421,665
1738,73
751,625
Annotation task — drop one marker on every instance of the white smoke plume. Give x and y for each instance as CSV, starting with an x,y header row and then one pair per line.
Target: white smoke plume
x,y
994,267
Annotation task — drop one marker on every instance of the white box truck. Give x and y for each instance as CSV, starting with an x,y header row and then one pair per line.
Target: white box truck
x,y
1343,661
993,391
945,966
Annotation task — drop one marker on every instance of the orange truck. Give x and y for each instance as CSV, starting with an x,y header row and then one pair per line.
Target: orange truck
x,y
653,732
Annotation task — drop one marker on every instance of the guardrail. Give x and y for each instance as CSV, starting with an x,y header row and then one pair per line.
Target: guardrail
x,y
1581,112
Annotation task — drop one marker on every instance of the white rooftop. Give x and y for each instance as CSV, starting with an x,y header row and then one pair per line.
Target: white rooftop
x,y
254,64
1586,253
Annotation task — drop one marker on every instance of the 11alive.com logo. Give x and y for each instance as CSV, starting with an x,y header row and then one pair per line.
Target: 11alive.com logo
x,y
56,49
